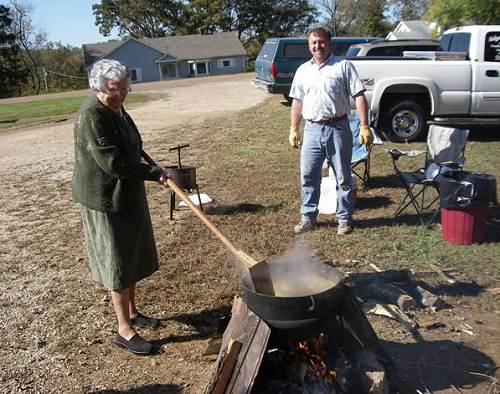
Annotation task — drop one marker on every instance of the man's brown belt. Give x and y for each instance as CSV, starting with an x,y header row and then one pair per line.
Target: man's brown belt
x,y
329,120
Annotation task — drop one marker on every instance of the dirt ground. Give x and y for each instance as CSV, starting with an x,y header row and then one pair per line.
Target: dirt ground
x,y
57,326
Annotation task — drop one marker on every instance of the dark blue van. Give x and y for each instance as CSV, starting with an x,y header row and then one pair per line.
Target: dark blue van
x,y
279,58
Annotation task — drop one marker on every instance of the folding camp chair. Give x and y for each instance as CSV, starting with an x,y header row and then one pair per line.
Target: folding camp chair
x,y
360,153
445,152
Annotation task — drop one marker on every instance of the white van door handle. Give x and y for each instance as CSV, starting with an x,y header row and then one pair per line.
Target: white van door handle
x,y
491,73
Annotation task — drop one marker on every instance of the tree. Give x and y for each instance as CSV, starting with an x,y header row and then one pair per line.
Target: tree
x,y
206,16
253,20
29,40
373,23
448,13
407,10
330,7
63,66
353,17
137,18
256,20
11,72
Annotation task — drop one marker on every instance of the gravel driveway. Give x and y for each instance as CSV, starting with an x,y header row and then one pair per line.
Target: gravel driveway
x,y
190,101
50,315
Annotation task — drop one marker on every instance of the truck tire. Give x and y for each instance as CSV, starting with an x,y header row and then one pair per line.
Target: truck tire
x,y
405,121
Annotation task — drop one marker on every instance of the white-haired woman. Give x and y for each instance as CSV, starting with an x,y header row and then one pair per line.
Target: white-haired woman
x,y
108,181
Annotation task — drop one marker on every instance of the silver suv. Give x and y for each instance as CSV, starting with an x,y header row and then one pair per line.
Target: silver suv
x,y
391,48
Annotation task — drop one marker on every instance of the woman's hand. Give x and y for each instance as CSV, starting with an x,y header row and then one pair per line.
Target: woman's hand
x,y
163,179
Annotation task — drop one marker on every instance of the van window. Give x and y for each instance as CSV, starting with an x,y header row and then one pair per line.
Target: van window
x,y
340,48
296,50
267,50
492,47
352,51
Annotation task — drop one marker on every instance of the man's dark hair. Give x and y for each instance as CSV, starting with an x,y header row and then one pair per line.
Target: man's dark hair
x,y
319,30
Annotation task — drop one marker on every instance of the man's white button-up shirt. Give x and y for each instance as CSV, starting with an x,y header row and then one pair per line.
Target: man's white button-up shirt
x,y
325,89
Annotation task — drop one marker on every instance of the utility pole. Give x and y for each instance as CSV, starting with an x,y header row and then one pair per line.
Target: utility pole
x,y
45,80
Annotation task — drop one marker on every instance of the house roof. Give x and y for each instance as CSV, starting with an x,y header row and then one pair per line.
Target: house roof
x,y
415,29
405,35
188,47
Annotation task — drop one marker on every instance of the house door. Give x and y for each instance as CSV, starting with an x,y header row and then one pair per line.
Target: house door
x,y
168,70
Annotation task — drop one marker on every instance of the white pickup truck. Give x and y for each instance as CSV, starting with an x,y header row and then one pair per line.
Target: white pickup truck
x,y
405,94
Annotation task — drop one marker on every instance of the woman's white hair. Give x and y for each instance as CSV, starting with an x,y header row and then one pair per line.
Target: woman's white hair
x,y
107,70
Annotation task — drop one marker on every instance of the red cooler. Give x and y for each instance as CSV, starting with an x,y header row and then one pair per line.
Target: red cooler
x,y
465,225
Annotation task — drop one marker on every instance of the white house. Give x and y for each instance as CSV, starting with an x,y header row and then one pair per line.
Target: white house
x,y
414,30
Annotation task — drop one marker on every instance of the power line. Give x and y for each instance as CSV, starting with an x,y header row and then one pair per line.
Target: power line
x,y
63,75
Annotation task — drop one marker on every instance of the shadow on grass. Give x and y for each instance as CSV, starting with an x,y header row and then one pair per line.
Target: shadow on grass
x,y
206,323
484,134
243,207
407,220
8,121
388,181
372,202
493,226
438,365
150,388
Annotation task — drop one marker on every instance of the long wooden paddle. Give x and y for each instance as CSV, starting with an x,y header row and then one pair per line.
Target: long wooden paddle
x,y
259,271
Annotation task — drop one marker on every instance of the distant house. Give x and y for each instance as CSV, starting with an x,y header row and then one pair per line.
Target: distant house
x,y
154,59
406,30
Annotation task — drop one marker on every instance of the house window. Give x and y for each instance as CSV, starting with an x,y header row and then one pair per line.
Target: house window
x,y
136,74
199,68
226,63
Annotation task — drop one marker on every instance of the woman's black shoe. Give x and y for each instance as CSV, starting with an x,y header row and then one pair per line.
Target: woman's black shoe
x,y
144,321
136,344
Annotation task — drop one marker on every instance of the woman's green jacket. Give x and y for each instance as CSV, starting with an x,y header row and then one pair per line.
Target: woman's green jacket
x,y
109,173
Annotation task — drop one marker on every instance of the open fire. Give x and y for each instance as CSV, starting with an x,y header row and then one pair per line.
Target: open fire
x,y
270,360
298,366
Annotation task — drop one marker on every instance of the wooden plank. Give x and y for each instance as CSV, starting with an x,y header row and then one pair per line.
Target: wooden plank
x,y
358,278
226,371
253,333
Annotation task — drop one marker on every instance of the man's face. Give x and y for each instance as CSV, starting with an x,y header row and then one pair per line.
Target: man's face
x,y
320,47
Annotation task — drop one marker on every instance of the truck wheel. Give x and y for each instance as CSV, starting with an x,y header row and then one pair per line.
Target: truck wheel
x,y
405,121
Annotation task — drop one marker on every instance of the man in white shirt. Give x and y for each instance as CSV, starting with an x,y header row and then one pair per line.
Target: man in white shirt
x,y
321,91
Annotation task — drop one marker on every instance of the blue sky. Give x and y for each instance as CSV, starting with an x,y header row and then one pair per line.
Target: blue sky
x,y
68,21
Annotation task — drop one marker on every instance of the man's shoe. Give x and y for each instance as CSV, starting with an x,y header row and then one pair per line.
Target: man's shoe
x,y
345,227
145,321
136,344
304,226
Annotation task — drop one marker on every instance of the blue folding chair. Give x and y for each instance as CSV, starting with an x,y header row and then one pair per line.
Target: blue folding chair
x,y
360,153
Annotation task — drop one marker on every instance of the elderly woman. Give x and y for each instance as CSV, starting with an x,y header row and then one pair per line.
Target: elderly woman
x,y
108,181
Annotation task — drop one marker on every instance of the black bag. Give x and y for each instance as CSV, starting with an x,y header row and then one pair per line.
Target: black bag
x,y
460,189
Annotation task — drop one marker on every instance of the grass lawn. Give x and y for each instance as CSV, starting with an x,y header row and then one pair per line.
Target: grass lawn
x,y
26,113
260,167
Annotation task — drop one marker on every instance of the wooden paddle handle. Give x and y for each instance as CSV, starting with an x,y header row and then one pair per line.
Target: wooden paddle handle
x,y
171,184
243,257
